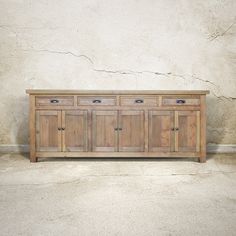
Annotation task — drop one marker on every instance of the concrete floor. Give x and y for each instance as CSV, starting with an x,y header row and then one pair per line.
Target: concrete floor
x,y
117,197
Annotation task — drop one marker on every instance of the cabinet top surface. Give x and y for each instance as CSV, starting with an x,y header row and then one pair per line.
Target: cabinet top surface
x,y
115,92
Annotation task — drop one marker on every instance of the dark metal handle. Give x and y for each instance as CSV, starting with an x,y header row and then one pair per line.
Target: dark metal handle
x,y
139,101
117,129
174,129
180,101
62,128
59,128
97,101
54,101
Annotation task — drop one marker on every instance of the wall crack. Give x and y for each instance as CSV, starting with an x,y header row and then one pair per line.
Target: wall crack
x,y
132,72
218,34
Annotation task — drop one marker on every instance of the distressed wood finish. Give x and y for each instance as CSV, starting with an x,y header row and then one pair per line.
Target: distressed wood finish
x,y
74,130
48,134
154,123
104,135
54,101
188,131
131,131
161,135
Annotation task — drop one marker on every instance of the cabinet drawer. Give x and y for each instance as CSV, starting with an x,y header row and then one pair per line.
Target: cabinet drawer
x,y
55,101
96,100
180,101
138,101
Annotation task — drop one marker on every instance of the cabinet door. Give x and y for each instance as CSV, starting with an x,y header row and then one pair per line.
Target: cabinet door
x,y
187,136
74,131
161,135
104,135
48,135
131,131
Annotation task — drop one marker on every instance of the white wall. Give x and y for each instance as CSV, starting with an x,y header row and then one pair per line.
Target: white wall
x,y
118,44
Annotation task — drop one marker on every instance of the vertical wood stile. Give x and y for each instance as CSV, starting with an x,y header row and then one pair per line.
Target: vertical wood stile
x,y
176,125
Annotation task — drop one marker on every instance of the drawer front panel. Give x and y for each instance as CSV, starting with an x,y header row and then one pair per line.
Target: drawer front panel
x,y
180,101
54,101
96,101
139,101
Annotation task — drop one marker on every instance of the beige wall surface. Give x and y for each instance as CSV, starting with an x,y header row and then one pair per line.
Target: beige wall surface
x,y
120,44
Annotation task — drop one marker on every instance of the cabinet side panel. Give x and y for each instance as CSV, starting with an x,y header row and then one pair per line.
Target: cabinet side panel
x,y
203,129
32,127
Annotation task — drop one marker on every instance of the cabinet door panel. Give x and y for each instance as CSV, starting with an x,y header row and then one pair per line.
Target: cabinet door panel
x,y
75,131
131,134
48,137
104,136
161,136
188,135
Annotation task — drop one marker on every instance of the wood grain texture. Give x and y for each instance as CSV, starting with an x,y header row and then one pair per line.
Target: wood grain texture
x,y
54,101
75,133
119,154
104,135
160,131
116,92
32,127
180,101
188,131
131,131
202,157
48,135
96,100
138,101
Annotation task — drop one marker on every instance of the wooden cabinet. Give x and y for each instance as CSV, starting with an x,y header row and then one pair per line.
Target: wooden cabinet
x,y
118,131
61,131
146,124
174,131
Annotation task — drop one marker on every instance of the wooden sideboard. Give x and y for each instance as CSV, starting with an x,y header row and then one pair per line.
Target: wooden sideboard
x,y
102,123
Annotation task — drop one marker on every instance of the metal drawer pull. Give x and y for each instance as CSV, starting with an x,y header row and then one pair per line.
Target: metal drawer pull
x,y
116,129
97,101
54,101
139,101
180,101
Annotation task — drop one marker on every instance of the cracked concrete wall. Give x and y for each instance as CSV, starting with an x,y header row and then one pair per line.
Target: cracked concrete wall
x,y
125,44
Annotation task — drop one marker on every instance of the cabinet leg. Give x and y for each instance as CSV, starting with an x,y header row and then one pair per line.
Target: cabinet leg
x,y
202,158
33,157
